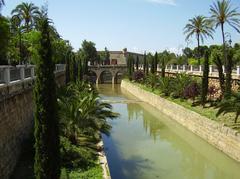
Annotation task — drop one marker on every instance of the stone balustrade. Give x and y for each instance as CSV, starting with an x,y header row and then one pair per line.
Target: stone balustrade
x,y
196,70
10,74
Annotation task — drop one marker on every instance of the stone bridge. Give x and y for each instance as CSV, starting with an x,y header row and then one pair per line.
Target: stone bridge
x,y
115,70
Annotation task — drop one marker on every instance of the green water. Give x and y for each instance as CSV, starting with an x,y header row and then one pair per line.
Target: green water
x,y
145,144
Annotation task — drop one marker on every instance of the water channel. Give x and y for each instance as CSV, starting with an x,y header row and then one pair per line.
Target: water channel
x,y
146,144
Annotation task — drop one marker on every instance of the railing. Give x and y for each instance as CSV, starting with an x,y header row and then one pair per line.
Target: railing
x,y
198,70
10,74
107,66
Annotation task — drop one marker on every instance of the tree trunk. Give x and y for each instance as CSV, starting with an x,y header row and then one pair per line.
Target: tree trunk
x,y
198,41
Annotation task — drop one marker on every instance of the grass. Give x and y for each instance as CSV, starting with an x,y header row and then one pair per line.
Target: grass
x,y
92,173
208,111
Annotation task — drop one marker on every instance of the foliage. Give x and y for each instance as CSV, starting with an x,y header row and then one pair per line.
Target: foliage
x,y
217,58
192,91
151,80
165,85
138,76
4,39
88,53
45,114
201,27
81,111
27,12
230,105
164,59
179,83
204,90
130,66
74,156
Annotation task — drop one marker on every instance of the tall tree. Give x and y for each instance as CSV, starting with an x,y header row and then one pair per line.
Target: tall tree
x,y
155,62
204,91
200,27
144,62
217,58
137,63
46,129
164,58
4,39
221,13
27,12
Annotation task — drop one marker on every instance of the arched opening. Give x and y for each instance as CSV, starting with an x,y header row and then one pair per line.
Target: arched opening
x,y
106,77
92,76
118,77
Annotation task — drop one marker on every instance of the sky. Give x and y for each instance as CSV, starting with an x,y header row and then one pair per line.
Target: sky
x,y
138,25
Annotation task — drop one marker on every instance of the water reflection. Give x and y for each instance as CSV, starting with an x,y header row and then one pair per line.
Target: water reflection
x,y
145,143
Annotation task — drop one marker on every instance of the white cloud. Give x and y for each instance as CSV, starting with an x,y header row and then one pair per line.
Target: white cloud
x,y
167,2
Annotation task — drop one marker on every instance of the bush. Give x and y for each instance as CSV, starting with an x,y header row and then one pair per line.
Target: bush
x,y
152,80
73,156
192,91
179,84
165,85
138,76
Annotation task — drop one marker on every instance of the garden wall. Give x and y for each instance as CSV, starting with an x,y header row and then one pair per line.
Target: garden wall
x,y
216,134
16,120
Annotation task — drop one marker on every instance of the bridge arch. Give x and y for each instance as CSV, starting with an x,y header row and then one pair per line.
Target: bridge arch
x,y
105,76
108,73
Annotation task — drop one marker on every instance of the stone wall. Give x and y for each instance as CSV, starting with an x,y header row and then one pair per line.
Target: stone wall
x,y
16,120
216,134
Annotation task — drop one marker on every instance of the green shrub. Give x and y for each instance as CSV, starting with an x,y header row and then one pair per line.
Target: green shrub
x,y
165,85
73,156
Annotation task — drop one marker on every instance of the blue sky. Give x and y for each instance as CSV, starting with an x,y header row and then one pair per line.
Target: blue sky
x,y
139,25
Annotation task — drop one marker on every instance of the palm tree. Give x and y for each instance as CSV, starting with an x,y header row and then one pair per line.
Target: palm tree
x,y
201,27
28,13
221,13
82,112
231,105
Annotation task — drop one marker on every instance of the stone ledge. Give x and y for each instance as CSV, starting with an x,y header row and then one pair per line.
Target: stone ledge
x,y
223,138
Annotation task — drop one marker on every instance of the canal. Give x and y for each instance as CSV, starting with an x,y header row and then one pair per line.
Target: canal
x,y
146,144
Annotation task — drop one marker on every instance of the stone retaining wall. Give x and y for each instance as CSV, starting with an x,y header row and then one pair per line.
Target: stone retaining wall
x,y
16,120
216,134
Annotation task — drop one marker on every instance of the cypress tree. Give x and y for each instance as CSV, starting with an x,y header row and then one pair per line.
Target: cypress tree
x,y
147,67
155,62
144,63
67,67
151,59
46,129
80,70
205,79
137,63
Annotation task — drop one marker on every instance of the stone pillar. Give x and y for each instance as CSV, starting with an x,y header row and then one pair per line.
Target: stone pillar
x,y
171,68
238,71
210,69
177,68
200,68
32,72
184,67
7,75
113,79
22,73
191,67
223,67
